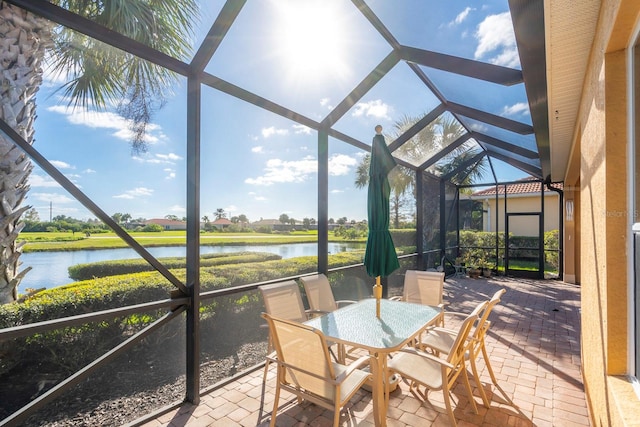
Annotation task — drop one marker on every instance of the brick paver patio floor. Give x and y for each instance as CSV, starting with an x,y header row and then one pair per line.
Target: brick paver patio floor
x,y
533,345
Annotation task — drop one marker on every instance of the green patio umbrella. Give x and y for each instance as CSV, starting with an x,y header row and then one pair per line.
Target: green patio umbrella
x,y
380,258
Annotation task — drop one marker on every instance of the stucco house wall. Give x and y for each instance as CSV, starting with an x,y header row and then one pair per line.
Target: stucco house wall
x,y
604,224
525,226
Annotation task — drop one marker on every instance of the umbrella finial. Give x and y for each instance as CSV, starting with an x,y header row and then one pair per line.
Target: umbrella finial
x,y
378,129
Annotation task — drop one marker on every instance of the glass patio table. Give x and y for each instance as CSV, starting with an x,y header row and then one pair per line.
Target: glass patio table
x,y
357,325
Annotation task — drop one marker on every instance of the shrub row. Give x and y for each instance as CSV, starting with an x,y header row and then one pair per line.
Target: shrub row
x,y
120,290
129,266
67,349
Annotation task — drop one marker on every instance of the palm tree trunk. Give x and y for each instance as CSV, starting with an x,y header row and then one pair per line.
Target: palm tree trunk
x,y
22,44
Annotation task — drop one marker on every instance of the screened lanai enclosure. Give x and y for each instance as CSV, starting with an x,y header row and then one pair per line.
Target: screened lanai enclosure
x,y
456,119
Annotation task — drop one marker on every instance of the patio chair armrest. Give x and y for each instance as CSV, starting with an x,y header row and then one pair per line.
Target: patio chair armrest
x,y
431,357
395,298
455,313
356,364
272,357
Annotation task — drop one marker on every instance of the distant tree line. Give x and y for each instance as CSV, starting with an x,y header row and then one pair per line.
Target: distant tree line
x,y
240,223
32,223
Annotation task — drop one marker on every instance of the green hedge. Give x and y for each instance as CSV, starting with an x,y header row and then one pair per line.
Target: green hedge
x,y
67,349
129,266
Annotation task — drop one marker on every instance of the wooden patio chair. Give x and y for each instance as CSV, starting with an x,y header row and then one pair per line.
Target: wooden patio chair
x,y
321,300
420,368
284,301
306,369
426,288
440,340
320,295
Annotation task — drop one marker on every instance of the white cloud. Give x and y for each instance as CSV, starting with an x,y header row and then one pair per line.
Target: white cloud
x,y
88,171
270,131
52,197
42,181
256,197
135,193
301,129
257,149
231,209
521,108
496,41
337,191
170,158
326,103
479,127
177,209
375,108
104,120
279,171
460,18
171,174
340,164
61,165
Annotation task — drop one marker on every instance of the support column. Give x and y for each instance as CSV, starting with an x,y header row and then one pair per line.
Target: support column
x,y
323,202
193,240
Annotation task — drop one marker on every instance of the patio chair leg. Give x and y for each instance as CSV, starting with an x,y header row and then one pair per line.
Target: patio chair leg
x,y
266,370
474,370
493,377
336,415
469,391
486,362
447,403
275,406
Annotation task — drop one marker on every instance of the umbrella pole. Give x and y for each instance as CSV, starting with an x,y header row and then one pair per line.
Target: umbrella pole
x,y
377,292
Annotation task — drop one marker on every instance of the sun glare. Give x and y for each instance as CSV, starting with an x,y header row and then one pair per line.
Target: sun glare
x,y
311,40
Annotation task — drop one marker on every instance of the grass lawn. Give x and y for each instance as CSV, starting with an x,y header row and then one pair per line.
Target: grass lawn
x,y
67,241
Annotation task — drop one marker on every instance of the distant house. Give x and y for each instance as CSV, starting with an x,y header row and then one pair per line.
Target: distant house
x,y
221,223
523,207
167,224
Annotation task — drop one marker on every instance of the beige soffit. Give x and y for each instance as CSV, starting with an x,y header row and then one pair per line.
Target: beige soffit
x,y
570,27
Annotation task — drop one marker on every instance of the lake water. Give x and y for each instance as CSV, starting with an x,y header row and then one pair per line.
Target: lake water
x,y
50,269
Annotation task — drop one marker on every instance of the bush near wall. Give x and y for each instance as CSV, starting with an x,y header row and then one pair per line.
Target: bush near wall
x,y
483,243
551,245
128,266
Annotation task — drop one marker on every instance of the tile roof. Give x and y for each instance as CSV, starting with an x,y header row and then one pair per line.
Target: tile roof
x,y
222,221
524,187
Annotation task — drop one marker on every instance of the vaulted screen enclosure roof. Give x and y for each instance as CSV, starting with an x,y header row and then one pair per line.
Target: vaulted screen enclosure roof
x,y
449,92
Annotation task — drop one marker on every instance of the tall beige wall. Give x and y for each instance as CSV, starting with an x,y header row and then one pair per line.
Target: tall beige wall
x,y
603,222
522,226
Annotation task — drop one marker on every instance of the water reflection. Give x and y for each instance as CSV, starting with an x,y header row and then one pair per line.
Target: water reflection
x,y
50,269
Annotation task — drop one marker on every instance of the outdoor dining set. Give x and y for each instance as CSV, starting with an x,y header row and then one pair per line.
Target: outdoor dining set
x,y
326,353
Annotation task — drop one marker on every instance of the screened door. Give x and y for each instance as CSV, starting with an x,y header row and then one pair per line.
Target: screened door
x,y
524,245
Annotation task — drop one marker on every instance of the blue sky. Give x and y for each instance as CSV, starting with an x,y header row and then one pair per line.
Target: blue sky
x,y
257,163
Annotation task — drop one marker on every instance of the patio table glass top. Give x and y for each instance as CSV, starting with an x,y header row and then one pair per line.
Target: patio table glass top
x,y
357,324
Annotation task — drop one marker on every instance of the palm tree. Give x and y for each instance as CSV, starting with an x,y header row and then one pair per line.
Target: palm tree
x,y
426,143
97,75
220,213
